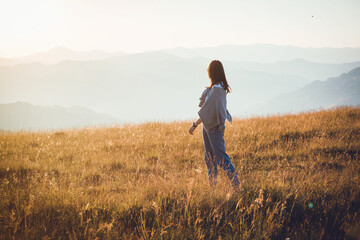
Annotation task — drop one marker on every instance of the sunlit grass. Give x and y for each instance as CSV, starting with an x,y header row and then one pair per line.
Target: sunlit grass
x,y
299,174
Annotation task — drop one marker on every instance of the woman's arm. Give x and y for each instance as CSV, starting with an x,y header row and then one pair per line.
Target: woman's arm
x,y
194,125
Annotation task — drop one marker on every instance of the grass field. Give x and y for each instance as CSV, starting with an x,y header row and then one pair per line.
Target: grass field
x,y
300,176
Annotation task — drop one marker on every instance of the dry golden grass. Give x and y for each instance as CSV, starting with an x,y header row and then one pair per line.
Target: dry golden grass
x,y
300,177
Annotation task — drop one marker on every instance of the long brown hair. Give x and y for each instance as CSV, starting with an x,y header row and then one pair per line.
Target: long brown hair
x,y
217,75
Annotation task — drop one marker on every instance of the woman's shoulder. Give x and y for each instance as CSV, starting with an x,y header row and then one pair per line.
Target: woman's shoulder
x,y
205,92
203,96
218,85
218,90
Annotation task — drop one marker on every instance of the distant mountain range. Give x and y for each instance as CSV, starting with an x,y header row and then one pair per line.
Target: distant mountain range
x,y
257,53
22,115
166,84
268,53
59,54
339,91
298,67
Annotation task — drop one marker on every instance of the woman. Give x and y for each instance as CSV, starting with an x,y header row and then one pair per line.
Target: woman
x,y
213,114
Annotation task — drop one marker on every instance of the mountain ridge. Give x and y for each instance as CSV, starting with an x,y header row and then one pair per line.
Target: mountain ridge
x,y
261,53
58,54
335,91
109,85
269,53
27,116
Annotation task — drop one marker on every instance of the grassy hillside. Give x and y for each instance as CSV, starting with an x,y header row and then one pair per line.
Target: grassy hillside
x,y
300,176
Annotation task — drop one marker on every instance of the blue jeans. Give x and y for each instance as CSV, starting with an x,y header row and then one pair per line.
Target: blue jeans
x,y
215,154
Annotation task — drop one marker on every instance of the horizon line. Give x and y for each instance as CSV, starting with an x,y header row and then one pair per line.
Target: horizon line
x,y
169,48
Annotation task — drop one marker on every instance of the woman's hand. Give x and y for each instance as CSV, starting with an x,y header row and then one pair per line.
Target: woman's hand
x,y
192,129
194,125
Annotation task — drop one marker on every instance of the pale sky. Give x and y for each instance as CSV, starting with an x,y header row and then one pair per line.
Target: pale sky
x,y
29,26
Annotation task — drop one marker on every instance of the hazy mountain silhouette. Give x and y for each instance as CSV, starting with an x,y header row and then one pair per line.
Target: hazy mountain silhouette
x,y
58,54
258,53
268,53
8,62
135,87
342,90
156,85
22,115
298,67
